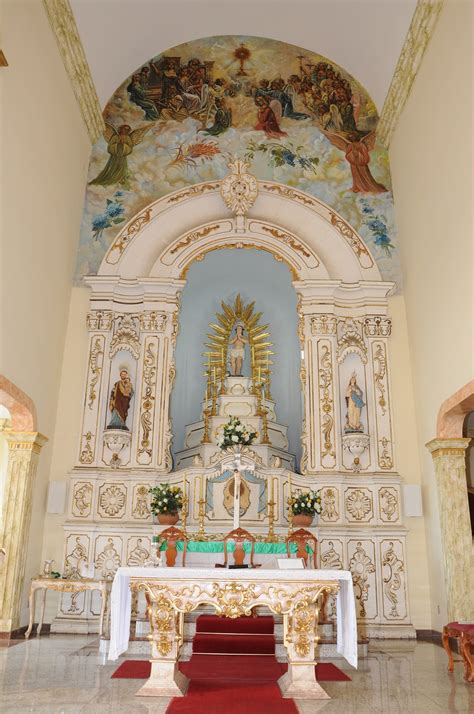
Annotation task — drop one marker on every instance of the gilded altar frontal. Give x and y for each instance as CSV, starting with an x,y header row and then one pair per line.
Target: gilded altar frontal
x,y
236,374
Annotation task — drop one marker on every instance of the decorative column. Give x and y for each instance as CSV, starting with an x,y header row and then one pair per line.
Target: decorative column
x,y
450,469
23,454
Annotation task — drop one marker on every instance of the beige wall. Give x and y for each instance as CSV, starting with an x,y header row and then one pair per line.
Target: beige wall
x,y
45,151
431,162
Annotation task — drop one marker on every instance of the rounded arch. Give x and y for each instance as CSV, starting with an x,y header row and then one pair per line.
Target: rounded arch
x,y
19,404
165,238
186,111
453,412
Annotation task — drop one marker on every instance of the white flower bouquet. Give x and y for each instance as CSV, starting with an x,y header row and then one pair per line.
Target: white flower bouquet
x,y
235,433
307,502
166,499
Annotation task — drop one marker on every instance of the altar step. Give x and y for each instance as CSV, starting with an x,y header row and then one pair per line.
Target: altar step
x,y
239,636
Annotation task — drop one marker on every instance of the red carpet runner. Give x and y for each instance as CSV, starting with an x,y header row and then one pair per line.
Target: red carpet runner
x,y
225,674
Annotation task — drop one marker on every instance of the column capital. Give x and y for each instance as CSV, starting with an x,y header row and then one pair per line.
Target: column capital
x,y
447,447
25,440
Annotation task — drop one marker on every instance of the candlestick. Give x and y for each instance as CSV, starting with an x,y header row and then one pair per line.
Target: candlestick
x,y
290,507
205,437
201,510
184,509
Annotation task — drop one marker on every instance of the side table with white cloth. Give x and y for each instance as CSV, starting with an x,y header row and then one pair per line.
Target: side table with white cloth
x,y
173,592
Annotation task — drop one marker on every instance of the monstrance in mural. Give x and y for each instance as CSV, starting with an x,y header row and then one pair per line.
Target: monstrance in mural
x,y
237,330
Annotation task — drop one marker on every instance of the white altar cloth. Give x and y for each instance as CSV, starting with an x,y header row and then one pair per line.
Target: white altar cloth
x,y
121,601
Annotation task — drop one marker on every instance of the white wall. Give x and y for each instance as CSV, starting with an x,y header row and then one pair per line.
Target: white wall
x,y
45,151
431,163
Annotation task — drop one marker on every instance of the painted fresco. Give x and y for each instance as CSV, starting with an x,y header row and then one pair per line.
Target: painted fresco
x,y
297,117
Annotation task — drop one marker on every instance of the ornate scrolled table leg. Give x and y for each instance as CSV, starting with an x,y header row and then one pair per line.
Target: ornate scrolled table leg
x,y
31,605
301,639
166,639
445,641
43,606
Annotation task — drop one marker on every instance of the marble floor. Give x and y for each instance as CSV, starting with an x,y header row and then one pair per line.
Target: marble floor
x,y
62,674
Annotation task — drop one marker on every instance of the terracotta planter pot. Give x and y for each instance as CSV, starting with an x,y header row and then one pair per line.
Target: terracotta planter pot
x,y
167,519
302,520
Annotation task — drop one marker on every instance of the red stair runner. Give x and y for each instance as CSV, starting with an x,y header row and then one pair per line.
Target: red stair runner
x,y
237,683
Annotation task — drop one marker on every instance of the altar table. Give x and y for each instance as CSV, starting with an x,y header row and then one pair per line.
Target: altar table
x,y
205,554
172,592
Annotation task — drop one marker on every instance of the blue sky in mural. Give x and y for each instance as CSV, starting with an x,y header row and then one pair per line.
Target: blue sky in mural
x,y
297,117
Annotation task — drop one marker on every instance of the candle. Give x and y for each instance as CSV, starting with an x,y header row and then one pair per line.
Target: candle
x,y
289,484
184,486
201,488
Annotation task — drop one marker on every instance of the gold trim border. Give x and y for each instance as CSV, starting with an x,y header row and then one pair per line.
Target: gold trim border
x,y
63,24
418,37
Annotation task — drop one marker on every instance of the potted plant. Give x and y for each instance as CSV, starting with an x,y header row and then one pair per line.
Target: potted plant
x,y
166,502
235,434
303,505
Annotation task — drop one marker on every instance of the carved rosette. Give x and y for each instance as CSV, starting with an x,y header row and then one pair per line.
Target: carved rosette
x,y
108,558
239,189
112,500
359,505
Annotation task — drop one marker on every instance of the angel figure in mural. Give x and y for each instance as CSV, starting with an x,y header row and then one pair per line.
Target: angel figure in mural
x,y
119,402
357,152
354,403
120,143
237,351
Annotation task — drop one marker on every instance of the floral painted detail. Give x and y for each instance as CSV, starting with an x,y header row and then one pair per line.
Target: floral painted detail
x,y
281,154
377,226
166,499
235,433
307,502
113,215
187,157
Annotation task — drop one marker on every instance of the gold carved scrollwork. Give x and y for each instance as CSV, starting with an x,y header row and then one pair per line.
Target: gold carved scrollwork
x,y
87,453
82,499
193,237
355,243
108,560
239,189
100,320
144,453
385,458
127,235
380,370
323,325
233,599
350,339
141,508
96,356
153,321
193,191
326,402
287,192
361,566
290,240
330,503
388,503
126,336
393,580
377,326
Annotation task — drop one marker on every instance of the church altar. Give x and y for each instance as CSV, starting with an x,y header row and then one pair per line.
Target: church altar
x,y
173,592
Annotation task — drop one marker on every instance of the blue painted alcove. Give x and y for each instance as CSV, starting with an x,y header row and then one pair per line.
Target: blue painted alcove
x,y
221,276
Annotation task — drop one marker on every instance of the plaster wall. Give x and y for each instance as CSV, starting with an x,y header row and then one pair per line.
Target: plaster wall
x,y
431,162
45,151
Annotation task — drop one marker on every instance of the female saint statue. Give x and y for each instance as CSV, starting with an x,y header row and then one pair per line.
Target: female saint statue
x,y
119,403
354,403
237,351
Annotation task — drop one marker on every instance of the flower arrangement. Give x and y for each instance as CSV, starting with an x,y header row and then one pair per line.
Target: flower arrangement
x,y
113,214
305,502
235,433
166,499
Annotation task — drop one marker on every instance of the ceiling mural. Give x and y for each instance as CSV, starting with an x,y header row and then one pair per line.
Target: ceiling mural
x,y
298,118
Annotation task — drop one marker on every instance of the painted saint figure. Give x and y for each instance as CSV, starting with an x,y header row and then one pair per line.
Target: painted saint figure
x,y
237,351
120,144
119,403
267,119
357,152
354,403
